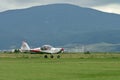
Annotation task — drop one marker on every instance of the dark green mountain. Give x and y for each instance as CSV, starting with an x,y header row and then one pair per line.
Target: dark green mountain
x,y
57,24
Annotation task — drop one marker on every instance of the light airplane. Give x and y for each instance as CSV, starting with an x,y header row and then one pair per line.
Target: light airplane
x,y
45,49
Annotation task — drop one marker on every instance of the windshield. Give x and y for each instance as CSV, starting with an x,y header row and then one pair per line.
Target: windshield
x,y
46,47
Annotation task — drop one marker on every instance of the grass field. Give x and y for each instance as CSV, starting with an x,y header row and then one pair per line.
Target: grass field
x,y
71,67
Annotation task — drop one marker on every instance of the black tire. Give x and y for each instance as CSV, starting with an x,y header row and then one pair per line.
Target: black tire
x,y
58,56
51,56
45,56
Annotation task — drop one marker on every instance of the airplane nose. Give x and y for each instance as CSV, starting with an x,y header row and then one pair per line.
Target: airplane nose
x,y
62,49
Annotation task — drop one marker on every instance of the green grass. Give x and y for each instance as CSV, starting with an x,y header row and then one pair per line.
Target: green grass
x,y
90,68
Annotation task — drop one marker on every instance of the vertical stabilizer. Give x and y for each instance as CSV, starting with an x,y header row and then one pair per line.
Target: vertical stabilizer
x,y
25,47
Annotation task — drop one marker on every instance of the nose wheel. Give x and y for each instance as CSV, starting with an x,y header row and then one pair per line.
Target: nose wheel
x,y
58,56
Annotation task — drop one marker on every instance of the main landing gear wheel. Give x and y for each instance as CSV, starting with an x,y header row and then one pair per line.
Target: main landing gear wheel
x,y
45,56
51,56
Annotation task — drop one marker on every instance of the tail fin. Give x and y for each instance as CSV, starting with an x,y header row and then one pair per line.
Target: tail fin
x,y
25,47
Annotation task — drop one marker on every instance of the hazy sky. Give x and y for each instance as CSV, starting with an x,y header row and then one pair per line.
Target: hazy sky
x,y
112,6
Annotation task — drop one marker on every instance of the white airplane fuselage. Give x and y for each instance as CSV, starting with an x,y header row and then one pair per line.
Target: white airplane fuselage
x,y
47,49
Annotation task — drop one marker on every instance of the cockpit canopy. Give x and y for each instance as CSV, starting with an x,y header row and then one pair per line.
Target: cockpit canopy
x,y
46,47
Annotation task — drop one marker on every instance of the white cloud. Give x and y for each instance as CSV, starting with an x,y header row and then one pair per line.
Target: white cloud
x,y
111,8
103,5
13,4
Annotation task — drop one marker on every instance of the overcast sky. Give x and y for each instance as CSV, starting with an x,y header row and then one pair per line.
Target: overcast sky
x,y
112,6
